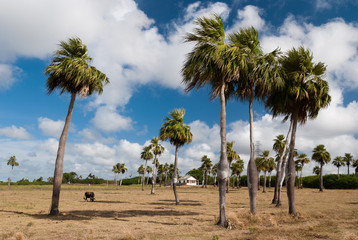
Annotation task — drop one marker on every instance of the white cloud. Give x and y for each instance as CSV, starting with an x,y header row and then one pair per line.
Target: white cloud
x,y
50,127
15,132
107,119
323,4
7,75
247,17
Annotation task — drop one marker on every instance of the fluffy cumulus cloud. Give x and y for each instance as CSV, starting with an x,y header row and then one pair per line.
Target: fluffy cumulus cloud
x,y
15,132
7,75
50,127
107,119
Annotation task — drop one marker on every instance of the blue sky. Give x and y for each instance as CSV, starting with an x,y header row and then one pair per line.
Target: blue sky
x,y
139,45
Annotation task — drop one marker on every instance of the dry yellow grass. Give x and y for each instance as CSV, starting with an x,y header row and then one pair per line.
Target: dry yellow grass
x,y
129,213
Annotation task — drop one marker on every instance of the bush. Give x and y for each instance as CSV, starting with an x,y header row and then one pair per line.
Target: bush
x,y
331,181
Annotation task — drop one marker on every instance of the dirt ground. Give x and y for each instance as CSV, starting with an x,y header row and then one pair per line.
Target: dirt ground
x,y
127,212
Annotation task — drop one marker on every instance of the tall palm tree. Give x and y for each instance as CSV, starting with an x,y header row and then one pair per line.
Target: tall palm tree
x,y
123,170
322,156
257,78
264,164
207,64
302,159
157,150
231,156
178,133
70,71
348,159
259,167
338,162
149,170
206,167
303,95
12,162
116,172
280,144
146,155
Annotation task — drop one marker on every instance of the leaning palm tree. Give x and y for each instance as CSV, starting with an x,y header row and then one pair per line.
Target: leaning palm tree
x,y
303,95
257,78
302,159
322,156
178,133
70,71
348,159
208,64
146,155
157,150
338,162
12,162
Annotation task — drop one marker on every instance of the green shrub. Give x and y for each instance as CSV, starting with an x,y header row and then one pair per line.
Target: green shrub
x,y
331,181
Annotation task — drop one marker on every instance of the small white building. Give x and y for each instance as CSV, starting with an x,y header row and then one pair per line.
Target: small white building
x,y
187,180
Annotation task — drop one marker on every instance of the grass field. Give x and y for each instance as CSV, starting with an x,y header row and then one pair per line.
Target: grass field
x,y
127,212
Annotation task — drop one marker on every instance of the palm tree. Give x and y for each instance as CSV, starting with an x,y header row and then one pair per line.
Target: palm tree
x,y
206,167
70,72
270,167
348,159
316,170
160,172
179,134
264,166
12,162
148,170
214,172
141,171
259,167
166,171
302,97
298,168
205,65
146,155
123,170
231,156
338,162
116,172
157,150
279,145
237,168
257,79
355,164
302,159
322,156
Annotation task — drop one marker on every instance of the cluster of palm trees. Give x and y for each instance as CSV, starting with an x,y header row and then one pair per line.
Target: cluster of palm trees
x,y
235,67
117,169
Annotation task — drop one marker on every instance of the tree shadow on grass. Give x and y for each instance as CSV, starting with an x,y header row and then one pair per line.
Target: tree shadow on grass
x,y
181,202
80,215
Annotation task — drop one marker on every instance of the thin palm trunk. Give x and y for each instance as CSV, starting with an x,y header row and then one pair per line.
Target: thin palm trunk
x,y
338,172
252,170
279,172
264,184
202,182
215,180
258,180
321,178
269,180
222,170
58,173
206,180
166,179
291,169
154,176
160,180
233,182
9,180
147,179
238,181
175,175
301,185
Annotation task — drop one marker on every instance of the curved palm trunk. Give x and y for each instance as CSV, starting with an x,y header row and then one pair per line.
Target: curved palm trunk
x,y
58,173
251,169
321,178
175,175
223,167
291,169
279,173
264,185
154,176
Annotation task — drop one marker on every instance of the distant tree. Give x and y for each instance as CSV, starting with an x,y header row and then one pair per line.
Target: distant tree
x,y
316,170
70,177
12,162
231,156
270,167
206,167
178,133
214,172
160,173
141,171
338,162
298,167
322,156
355,164
166,171
348,159
70,72
302,159
157,150
264,166
122,169
279,146
116,172
237,168
149,170
145,155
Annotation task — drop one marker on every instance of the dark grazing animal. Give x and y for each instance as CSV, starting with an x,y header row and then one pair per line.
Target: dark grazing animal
x,y
89,195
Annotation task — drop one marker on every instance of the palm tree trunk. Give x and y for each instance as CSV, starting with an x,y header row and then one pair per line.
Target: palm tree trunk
x,y
238,181
9,180
147,179
166,179
175,175
269,180
348,168
338,172
202,182
206,180
264,185
58,173
223,167
301,185
279,173
291,169
258,180
251,169
154,175
233,182
321,178
215,180
160,180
